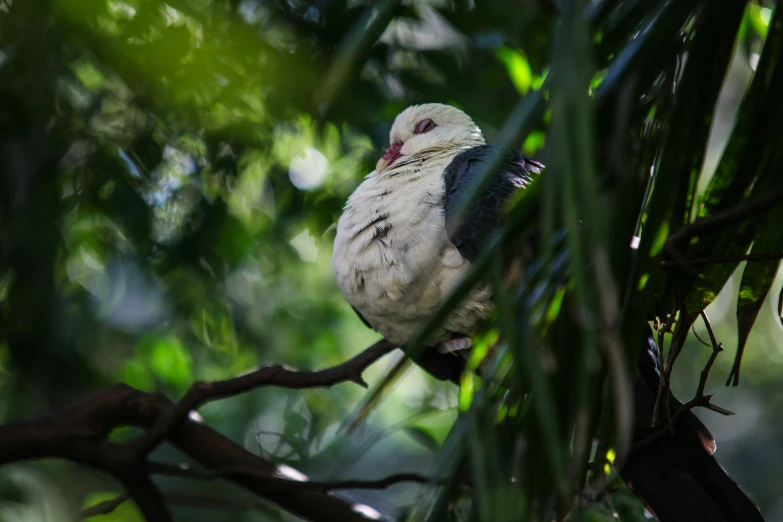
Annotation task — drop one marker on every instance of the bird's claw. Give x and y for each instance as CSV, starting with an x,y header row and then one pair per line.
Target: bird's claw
x,y
454,345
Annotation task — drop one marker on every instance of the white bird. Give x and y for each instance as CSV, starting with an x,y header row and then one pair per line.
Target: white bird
x,y
398,252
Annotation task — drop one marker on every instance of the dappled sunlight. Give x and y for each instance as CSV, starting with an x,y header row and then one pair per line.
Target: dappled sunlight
x,y
308,171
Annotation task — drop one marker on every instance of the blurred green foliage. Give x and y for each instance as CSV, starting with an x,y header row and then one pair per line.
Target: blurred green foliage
x,y
170,173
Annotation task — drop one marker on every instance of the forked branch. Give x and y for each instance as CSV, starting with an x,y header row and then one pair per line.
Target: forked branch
x,y
267,375
699,399
80,432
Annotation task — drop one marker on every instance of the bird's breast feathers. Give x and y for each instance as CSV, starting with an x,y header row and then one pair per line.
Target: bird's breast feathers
x,y
393,259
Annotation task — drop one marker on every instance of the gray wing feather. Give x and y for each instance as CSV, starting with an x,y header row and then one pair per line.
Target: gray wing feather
x,y
484,217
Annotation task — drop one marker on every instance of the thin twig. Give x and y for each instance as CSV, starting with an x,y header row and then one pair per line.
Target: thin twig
x,y
699,399
678,259
285,483
268,375
146,495
664,329
675,347
717,222
702,341
730,259
716,349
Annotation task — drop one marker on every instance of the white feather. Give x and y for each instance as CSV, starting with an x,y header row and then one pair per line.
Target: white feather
x,y
392,257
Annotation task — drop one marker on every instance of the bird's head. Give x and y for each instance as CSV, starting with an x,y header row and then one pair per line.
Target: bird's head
x,y
429,127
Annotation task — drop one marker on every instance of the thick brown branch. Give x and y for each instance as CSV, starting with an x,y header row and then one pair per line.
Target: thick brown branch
x,y
147,497
78,433
268,375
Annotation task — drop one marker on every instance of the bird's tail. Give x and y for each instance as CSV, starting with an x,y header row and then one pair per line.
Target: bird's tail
x,y
675,475
679,481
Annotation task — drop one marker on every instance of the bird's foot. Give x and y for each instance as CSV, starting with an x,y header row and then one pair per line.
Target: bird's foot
x,y
455,345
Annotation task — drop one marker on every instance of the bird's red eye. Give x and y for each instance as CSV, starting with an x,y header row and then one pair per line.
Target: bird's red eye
x,y
424,126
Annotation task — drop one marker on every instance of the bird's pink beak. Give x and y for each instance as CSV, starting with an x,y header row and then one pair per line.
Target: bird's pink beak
x,y
392,153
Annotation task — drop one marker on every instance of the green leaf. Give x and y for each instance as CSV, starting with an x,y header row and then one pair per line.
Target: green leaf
x,y
759,18
633,63
485,468
136,373
123,434
449,465
534,142
747,170
295,422
661,235
467,386
169,360
90,76
736,170
649,38
685,139
517,66
423,437
756,283
125,512
354,48
709,59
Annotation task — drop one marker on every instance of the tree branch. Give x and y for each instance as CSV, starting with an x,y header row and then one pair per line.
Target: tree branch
x,y
731,216
148,498
730,259
267,375
698,400
284,483
665,328
79,433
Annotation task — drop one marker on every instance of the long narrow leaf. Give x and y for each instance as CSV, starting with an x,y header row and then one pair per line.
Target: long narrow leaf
x,y
756,283
684,145
575,171
753,176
